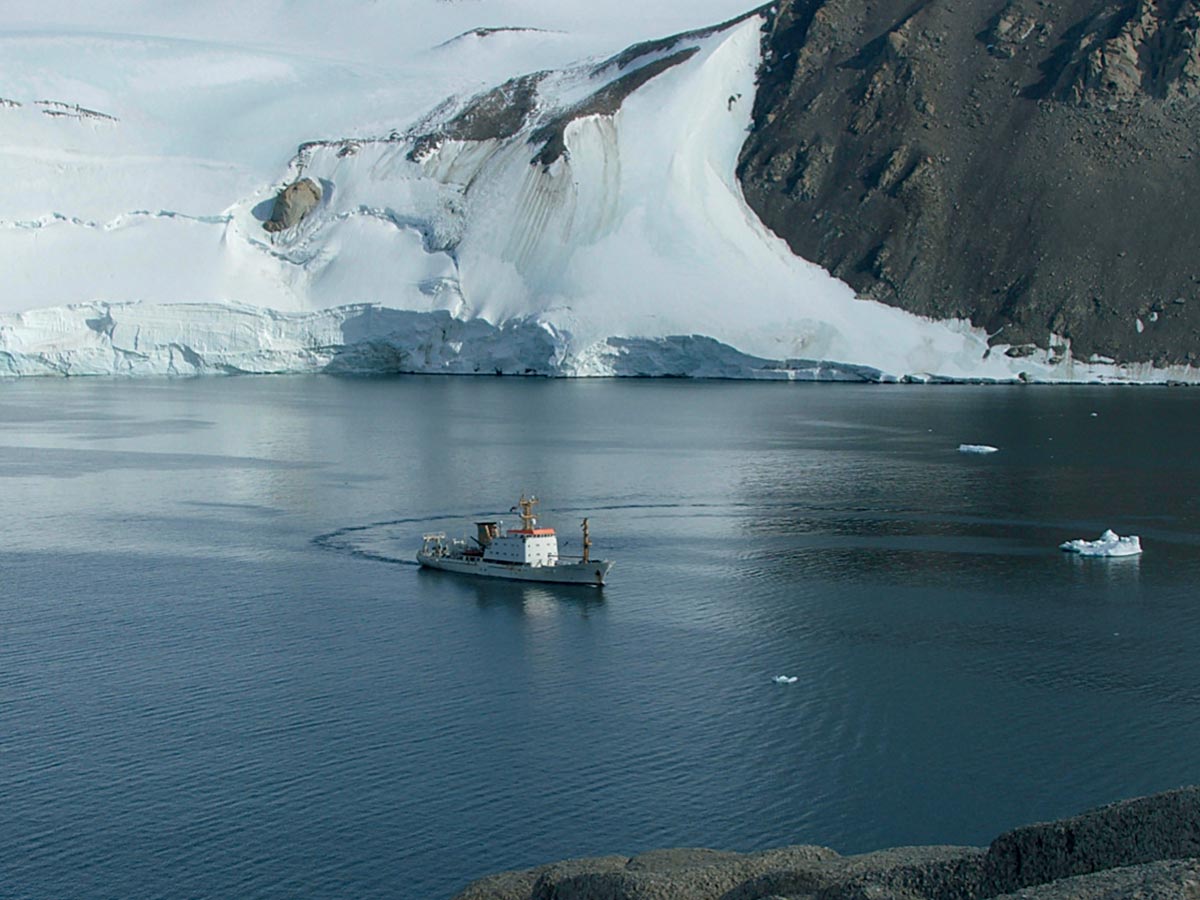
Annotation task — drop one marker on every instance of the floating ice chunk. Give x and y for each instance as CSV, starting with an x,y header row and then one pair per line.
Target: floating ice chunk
x,y
977,448
786,679
1109,544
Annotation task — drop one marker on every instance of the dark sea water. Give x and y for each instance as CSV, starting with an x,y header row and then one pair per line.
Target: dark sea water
x,y
221,675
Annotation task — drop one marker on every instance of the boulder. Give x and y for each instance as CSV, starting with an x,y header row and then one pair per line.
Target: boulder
x,y
1167,880
293,203
1132,832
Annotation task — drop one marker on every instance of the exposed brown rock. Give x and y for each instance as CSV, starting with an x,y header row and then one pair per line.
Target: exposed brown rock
x,y
493,115
1029,165
550,137
293,203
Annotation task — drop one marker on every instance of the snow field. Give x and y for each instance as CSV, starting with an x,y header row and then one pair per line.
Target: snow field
x,y
144,143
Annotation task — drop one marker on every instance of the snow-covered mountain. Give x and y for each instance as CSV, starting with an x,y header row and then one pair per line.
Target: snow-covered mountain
x,y
503,187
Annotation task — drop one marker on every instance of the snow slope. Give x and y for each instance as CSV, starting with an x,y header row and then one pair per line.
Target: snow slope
x,y
585,220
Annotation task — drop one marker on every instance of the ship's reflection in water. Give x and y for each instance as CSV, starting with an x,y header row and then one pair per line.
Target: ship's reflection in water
x,y
541,600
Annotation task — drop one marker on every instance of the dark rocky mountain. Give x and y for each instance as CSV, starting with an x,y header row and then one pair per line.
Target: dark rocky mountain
x,y
1032,165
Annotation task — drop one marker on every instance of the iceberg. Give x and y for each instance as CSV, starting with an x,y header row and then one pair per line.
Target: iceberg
x,y
1109,544
786,679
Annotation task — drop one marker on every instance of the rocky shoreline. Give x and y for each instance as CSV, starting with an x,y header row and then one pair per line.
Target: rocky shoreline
x,y
1146,848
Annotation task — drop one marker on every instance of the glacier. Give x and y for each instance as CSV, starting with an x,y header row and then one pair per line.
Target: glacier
x,y
505,189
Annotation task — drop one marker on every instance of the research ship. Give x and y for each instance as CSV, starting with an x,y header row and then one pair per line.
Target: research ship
x,y
528,553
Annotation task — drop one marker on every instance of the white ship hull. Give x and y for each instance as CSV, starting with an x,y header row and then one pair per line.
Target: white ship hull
x,y
592,573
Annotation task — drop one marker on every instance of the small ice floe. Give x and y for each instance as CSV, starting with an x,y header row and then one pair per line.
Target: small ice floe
x,y
786,679
1110,544
977,448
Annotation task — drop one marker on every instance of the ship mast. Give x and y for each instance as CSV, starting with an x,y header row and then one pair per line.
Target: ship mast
x,y
527,517
587,542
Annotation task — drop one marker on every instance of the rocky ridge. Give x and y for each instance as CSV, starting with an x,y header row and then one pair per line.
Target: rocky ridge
x,y
1147,848
1027,164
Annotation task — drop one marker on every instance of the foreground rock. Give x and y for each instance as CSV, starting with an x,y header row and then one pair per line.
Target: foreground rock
x,y
1147,848
1027,164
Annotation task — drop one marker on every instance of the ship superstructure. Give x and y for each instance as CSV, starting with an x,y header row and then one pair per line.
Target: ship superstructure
x,y
527,553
